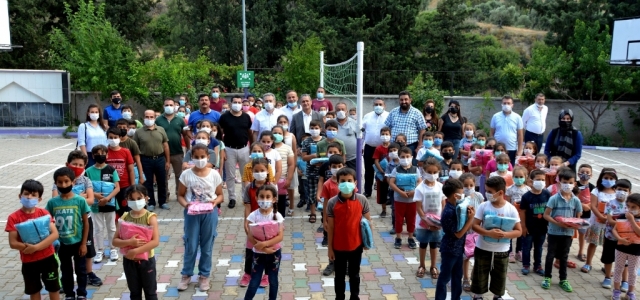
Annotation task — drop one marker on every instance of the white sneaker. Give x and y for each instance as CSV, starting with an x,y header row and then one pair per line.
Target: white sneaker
x,y
113,255
98,258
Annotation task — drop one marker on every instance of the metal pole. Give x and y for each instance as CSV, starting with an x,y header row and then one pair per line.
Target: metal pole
x,y
359,91
322,68
244,43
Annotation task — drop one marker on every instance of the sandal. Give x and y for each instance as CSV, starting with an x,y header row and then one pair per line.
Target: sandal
x,y
582,257
434,272
289,212
586,269
421,272
466,285
571,265
312,218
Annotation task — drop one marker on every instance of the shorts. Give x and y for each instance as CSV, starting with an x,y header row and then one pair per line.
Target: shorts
x,y
489,264
608,251
595,234
294,181
45,270
428,238
91,249
583,230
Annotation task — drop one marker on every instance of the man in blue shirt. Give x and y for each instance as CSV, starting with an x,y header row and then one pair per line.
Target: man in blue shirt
x,y
113,112
204,113
507,127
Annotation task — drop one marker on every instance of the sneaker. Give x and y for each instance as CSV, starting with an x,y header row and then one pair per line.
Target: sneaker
x,y
606,283
519,256
624,286
151,208
81,298
184,283
398,243
512,257
203,283
525,271
383,214
244,281
300,203
564,284
475,297
320,229
539,271
98,258
546,283
616,295
412,244
93,279
232,203
113,255
497,297
631,296
69,298
165,206
265,281
325,242
328,270
392,231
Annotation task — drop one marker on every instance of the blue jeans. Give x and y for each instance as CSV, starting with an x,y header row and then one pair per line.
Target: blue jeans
x,y
151,167
450,270
268,264
199,231
536,138
536,241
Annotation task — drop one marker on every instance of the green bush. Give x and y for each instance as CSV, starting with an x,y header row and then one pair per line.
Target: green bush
x,y
301,66
423,88
597,139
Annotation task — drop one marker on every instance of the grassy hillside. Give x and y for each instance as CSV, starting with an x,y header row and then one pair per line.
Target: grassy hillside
x,y
520,38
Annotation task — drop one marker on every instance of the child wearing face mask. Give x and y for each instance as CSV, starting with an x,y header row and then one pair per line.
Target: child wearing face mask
x,y
121,159
438,138
285,182
554,188
260,172
202,138
140,273
392,162
541,162
514,196
207,126
612,210
528,158
492,165
127,142
464,148
555,163
427,145
585,187
127,114
267,253
256,152
534,226
600,196
455,169
403,180
309,152
325,173
475,199
447,151
401,140
331,129
430,200
627,252
199,187
502,169
273,156
380,162
329,190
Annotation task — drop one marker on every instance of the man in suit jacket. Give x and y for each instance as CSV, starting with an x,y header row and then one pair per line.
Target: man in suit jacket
x,y
300,121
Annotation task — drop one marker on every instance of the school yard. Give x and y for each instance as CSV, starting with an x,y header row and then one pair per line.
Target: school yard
x,y
386,273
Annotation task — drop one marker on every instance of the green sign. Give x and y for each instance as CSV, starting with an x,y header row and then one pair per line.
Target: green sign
x,y
244,79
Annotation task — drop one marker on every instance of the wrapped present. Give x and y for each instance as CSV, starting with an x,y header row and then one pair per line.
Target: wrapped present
x,y
461,213
105,188
129,230
585,194
383,163
482,157
502,223
601,206
407,181
78,189
320,160
550,176
264,231
430,220
528,162
625,231
470,244
199,208
281,189
34,231
367,234
432,153
576,223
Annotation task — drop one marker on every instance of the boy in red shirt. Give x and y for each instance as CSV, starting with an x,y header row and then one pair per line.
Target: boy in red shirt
x,y
330,190
120,158
39,261
344,213
380,159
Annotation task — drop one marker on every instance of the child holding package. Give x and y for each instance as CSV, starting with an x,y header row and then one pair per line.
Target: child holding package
x,y
612,210
585,187
492,258
534,226
452,245
392,162
380,158
403,180
39,261
430,200
627,252
475,199
514,195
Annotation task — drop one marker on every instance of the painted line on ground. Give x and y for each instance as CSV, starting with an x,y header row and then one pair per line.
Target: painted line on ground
x,y
240,218
47,173
45,165
611,160
35,155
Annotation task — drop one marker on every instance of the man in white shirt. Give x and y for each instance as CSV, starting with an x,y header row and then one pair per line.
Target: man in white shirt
x,y
266,118
292,106
534,119
371,125
507,127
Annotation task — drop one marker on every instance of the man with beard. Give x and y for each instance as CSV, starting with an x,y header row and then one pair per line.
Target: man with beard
x,y
408,120
203,113
565,141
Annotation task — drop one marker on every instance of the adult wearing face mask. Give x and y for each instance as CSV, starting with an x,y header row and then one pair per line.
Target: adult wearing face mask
x,y
173,127
154,155
236,125
371,125
534,118
321,100
407,120
266,118
507,127
431,116
348,128
451,125
216,102
91,133
292,106
204,113
565,141
299,123
113,112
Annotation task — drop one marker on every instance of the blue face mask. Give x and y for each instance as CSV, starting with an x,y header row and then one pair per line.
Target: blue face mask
x,y
215,95
608,183
346,187
181,102
437,141
180,114
278,137
320,95
481,143
378,109
28,202
331,134
503,167
496,153
257,155
518,181
427,143
292,104
188,110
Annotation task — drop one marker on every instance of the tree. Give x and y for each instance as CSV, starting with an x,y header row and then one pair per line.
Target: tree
x,y
130,18
581,74
92,50
301,65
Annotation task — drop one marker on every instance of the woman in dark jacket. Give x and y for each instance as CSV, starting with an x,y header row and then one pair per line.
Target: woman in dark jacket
x,y
565,141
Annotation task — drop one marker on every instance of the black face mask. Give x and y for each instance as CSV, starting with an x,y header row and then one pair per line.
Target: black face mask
x,y
565,124
453,110
489,147
100,158
428,109
64,190
447,155
116,100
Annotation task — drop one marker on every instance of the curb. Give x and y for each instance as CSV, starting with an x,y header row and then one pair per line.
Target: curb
x,y
585,147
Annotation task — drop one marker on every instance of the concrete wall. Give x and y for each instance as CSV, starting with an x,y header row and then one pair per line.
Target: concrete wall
x,y
470,108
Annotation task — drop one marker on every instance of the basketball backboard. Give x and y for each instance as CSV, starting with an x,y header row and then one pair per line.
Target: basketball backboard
x,y
625,46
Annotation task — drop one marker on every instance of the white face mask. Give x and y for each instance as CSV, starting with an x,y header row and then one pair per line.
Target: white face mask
x,y
94,117
205,129
490,197
127,115
265,204
469,191
341,114
539,184
455,174
528,151
202,142
199,163
169,110
334,171
214,133
469,133
149,122
137,205
268,106
566,187
314,132
322,113
506,108
113,142
393,155
405,162
430,177
236,107
131,132
285,127
385,138
539,165
621,195
260,176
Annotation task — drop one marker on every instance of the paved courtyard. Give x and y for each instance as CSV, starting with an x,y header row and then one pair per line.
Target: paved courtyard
x,y
386,273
